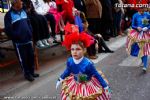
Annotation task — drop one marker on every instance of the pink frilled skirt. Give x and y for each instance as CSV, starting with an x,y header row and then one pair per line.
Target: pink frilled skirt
x,y
142,39
90,90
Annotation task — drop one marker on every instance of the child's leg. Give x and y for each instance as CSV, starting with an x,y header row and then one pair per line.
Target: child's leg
x,y
144,61
61,24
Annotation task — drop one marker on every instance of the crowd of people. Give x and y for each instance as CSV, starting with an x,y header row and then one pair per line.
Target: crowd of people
x,y
86,25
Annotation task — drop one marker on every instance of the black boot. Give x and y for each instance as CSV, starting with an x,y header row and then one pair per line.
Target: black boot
x,y
29,78
35,75
109,51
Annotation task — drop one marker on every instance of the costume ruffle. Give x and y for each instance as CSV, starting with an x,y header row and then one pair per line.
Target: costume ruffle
x,y
90,90
142,39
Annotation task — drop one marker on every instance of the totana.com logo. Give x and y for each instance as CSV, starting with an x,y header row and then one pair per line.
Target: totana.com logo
x,y
132,5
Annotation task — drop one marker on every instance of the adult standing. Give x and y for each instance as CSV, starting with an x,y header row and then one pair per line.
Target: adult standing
x,y
18,29
94,13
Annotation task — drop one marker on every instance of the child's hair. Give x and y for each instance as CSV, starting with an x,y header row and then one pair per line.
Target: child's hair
x,y
85,24
82,16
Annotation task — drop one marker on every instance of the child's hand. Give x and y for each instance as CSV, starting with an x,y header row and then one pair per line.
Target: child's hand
x,y
144,29
139,28
59,81
108,92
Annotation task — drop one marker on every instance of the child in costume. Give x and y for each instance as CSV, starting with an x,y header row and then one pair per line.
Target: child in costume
x,y
57,15
138,41
67,6
80,79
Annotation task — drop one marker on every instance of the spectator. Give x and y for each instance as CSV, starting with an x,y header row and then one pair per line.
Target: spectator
x,y
102,47
42,9
18,29
57,15
39,24
67,6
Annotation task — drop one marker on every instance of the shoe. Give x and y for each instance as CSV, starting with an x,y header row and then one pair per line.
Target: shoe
x,y
144,70
29,78
45,42
109,51
35,75
93,57
40,44
101,51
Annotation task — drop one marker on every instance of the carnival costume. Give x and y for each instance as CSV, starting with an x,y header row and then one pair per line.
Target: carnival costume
x,y
67,7
80,80
57,15
142,38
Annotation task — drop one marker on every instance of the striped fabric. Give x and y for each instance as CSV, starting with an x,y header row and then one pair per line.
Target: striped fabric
x,y
91,90
143,40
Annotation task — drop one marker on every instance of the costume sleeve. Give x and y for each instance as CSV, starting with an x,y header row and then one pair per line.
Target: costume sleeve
x,y
66,72
149,21
134,25
93,72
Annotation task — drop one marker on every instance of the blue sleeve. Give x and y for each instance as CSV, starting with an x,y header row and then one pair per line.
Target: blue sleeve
x,y
8,25
134,24
149,21
78,22
66,72
93,72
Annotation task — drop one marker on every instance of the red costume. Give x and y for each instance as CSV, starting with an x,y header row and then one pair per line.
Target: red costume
x,y
67,6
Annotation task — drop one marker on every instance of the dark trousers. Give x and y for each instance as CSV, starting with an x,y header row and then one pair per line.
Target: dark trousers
x,y
117,23
52,21
40,27
25,55
1,55
94,25
101,44
91,50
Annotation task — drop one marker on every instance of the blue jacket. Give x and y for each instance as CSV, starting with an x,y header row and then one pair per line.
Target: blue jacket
x,y
137,20
17,26
85,67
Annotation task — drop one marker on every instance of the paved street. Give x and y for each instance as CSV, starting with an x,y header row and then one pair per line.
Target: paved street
x,y
123,72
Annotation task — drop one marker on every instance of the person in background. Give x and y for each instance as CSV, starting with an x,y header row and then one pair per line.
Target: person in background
x,y
67,6
102,47
42,9
57,15
39,25
138,41
18,29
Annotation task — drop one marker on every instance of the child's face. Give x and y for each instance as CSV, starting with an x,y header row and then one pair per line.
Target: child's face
x,y
77,51
141,10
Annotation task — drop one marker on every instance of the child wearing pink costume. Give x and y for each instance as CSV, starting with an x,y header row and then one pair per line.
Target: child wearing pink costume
x,y
57,15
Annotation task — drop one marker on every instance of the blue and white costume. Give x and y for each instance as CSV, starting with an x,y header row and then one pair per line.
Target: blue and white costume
x,y
138,42
82,81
